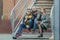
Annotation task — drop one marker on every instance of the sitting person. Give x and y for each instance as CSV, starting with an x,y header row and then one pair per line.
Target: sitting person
x,y
44,22
27,23
37,18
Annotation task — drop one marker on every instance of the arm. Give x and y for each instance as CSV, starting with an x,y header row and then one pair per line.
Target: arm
x,y
46,18
38,15
24,19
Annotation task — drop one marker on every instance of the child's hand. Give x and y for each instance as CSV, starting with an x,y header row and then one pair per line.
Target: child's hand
x,y
25,20
27,26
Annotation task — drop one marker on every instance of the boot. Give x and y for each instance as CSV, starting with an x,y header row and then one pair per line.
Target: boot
x,y
41,35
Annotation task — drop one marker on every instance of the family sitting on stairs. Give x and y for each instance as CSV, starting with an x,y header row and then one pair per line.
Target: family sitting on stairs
x,y
33,19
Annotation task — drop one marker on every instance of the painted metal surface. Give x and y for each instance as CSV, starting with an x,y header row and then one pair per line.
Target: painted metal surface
x,y
56,20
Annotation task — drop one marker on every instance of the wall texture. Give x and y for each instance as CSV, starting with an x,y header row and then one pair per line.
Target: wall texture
x,y
5,9
7,6
1,7
5,25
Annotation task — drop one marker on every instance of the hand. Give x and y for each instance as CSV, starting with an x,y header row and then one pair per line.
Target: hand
x,y
25,20
27,26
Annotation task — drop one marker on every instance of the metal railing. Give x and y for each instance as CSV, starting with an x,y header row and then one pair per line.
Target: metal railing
x,y
13,12
52,17
19,13
31,4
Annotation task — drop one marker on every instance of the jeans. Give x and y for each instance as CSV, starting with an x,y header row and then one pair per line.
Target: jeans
x,y
34,25
23,25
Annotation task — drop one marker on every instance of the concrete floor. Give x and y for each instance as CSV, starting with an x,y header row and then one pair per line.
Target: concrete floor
x,y
6,37
25,37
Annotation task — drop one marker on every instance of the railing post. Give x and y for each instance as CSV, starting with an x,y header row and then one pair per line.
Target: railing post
x,y
32,3
25,6
12,21
56,20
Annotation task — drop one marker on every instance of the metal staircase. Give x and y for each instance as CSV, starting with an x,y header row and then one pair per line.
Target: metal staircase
x,y
15,15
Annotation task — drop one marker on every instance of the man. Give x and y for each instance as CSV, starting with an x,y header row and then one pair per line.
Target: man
x,y
27,23
44,22
36,14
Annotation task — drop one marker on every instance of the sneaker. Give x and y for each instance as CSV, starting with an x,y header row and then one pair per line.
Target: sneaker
x,y
14,37
18,34
29,30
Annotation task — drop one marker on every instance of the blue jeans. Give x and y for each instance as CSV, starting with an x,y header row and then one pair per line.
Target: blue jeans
x,y
34,25
23,25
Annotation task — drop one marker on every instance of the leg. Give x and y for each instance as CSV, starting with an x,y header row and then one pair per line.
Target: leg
x,y
30,25
34,25
20,28
41,30
19,31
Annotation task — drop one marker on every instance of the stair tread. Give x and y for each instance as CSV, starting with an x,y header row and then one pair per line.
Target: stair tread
x,y
35,36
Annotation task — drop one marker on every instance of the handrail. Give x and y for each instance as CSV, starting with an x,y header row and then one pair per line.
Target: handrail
x,y
13,12
16,28
21,17
19,13
12,15
15,7
51,17
31,4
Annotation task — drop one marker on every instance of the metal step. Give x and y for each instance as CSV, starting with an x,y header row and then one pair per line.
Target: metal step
x,y
33,39
44,3
34,36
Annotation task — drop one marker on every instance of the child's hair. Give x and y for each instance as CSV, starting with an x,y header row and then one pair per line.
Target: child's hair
x,y
29,10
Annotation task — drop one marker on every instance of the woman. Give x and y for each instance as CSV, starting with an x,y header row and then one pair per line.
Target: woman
x,y
44,22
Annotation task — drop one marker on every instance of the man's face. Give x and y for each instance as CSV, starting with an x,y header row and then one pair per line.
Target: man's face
x,y
33,8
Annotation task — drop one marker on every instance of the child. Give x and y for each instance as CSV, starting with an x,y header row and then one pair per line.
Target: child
x,y
27,22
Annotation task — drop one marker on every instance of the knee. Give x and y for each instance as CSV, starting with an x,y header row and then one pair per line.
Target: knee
x,y
21,25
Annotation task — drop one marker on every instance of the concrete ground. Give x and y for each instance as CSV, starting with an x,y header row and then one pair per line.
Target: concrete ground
x,y
26,36
6,37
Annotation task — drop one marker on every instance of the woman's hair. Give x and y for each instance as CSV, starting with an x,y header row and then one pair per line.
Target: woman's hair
x,y
44,10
